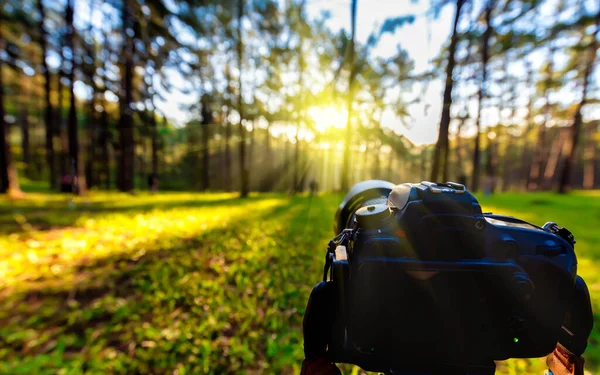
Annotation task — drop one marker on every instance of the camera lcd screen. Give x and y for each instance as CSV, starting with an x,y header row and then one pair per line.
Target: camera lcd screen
x,y
511,224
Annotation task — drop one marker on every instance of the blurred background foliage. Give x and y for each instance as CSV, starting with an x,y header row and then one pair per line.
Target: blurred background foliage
x,y
274,99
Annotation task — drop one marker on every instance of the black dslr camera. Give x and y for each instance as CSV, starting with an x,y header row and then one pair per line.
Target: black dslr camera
x,y
420,280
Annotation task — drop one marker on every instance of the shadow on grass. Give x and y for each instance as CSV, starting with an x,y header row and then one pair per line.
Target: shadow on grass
x,y
59,213
217,288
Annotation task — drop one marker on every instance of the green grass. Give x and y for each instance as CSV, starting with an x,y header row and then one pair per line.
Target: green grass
x,y
192,283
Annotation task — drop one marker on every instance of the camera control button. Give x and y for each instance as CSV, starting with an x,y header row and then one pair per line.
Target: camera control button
x,y
549,248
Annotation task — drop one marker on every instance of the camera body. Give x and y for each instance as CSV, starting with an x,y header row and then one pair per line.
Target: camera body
x,y
422,276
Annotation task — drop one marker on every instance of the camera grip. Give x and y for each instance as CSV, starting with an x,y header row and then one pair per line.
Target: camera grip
x,y
567,357
318,320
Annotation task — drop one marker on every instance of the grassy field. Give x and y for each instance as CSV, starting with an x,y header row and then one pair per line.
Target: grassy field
x,y
193,283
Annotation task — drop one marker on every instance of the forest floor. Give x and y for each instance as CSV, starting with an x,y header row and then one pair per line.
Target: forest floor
x,y
184,283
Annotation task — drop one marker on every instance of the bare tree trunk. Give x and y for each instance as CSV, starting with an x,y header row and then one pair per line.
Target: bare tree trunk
x,y
268,147
9,181
526,160
126,140
103,141
482,94
25,142
286,158
296,173
48,112
589,160
390,166
460,155
423,163
104,138
227,152
365,174
590,57
61,133
78,174
244,173
377,161
440,154
300,119
491,163
536,176
92,137
507,166
555,153
154,143
207,119
91,134
349,99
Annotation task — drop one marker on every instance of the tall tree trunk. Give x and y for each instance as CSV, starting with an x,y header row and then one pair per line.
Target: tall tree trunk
x,y
76,161
377,161
423,171
48,111
154,143
296,172
491,164
440,154
193,155
92,131
286,157
25,142
24,124
377,158
126,141
206,121
482,93
227,124
390,165
535,175
300,119
507,164
60,128
349,99
460,155
90,166
268,147
553,158
575,130
244,174
589,160
364,173
104,137
227,152
103,141
526,160
9,181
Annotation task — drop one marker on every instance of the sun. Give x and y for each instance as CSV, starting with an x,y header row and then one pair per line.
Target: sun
x,y
326,117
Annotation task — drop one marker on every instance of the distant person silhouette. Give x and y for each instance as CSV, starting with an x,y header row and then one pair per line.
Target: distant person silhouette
x,y
66,183
313,186
153,183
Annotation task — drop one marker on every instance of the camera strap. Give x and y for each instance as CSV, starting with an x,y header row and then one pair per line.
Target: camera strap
x,y
563,362
340,239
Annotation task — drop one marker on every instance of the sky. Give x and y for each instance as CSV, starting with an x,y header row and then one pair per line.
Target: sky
x,y
423,40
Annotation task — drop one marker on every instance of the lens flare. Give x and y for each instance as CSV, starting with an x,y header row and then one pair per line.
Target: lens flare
x,y
326,117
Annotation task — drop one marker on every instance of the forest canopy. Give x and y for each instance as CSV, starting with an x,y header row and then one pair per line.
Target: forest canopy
x,y
276,98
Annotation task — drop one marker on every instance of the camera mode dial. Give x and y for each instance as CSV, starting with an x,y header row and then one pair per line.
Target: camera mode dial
x,y
373,216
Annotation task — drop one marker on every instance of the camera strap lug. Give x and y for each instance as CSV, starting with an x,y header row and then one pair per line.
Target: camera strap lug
x,y
563,362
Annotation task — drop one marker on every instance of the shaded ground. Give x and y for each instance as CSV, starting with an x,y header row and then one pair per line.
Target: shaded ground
x,y
190,283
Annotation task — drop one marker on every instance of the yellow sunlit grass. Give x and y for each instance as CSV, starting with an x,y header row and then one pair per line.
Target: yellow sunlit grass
x,y
329,116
